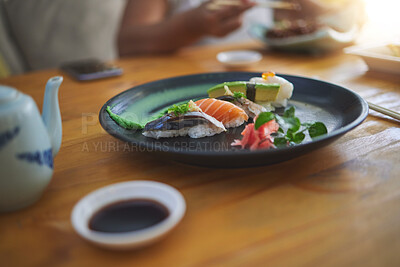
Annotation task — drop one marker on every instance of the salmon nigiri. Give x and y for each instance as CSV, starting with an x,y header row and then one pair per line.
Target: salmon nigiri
x,y
227,113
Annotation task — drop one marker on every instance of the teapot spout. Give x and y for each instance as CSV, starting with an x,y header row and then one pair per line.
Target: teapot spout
x,y
51,113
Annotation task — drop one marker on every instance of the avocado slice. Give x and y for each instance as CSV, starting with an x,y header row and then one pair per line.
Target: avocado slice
x,y
219,90
263,92
266,92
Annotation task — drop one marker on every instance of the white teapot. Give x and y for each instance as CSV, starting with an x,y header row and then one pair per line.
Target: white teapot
x,y
28,143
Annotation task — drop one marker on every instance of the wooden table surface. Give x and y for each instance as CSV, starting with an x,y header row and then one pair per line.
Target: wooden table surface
x,y
336,206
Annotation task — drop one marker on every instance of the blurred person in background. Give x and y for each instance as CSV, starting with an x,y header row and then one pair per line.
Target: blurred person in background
x,y
164,26
41,34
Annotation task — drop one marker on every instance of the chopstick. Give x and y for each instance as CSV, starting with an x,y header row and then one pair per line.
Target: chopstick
x,y
278,5
385,111
218,4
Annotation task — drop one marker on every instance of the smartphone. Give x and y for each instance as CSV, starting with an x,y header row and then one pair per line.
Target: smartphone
x,y
90,69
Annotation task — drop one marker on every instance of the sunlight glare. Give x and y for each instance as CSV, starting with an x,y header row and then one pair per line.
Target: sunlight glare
x,y
383,20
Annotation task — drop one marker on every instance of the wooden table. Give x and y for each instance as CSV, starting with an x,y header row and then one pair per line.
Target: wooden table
x,y
337,206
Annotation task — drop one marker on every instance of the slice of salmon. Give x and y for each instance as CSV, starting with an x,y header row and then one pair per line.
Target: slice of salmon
x,y
223,111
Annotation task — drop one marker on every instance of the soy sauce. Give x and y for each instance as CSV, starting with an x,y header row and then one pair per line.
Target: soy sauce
x,y
128,215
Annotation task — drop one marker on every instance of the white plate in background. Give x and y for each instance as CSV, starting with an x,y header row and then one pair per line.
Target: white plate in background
x,y
323,39
377,57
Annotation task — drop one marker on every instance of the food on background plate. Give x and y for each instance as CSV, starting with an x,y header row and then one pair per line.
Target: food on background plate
x,y
227,113
182,120
286,29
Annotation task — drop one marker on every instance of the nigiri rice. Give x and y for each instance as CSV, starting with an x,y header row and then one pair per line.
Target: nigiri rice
x,y
285,91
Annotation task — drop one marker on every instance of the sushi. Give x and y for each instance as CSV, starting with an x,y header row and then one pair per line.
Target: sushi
x,y
230,105
252,109
286,87
269,90
225,112
258,92
186,119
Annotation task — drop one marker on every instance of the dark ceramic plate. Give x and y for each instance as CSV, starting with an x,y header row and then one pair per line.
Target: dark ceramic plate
x,y
339,108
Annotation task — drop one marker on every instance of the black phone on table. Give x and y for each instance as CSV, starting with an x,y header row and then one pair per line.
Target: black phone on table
x,y
90,69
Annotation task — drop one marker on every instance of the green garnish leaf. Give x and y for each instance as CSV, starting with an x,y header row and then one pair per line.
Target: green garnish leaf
x,y
237,95
317,129
179,109
292,123
280,142
295,137
262,118
298,137
306,124
289,134
127,124
289,113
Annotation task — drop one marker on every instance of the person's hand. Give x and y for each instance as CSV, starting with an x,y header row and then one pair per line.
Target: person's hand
x,y
218,17
147,28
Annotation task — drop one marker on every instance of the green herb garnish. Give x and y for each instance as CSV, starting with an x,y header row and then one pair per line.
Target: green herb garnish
x,y
280,142
316,129
289,112
262,118
288,120
237,95
291,130
179,109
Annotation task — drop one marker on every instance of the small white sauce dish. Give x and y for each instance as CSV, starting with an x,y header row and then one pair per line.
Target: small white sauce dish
x,y
238,58
164,194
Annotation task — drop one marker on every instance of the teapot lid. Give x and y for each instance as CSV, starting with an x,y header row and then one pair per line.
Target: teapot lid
x,y
7,94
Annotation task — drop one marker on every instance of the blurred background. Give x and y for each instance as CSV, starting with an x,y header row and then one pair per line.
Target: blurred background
x,y
43,34
382,21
